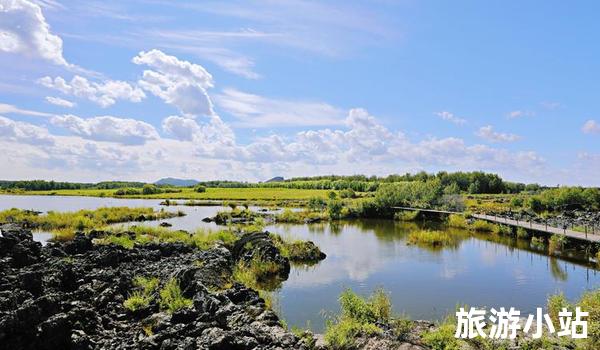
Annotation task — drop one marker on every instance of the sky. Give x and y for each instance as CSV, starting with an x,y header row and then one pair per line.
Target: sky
x,y
248,90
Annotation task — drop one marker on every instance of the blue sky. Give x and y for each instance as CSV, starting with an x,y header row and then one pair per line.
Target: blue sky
x,y
247,90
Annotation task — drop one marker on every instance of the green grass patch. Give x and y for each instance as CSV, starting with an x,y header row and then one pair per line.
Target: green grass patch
x,y
430,238
457,221
297,250
266,194
171,297
201,239
64,224
407,215
482,226
359,316
142,296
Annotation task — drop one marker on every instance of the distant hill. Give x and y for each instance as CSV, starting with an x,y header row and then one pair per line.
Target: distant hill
x,y
275,179
176,182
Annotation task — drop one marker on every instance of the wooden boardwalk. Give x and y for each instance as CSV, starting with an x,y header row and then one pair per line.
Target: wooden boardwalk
x,y
584,236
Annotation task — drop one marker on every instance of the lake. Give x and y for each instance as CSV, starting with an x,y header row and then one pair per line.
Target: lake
x,y
423,283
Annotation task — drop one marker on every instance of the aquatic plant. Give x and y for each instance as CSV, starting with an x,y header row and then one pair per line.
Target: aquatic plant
x,y
457,221
430,238
84,219
522,233
482,226
556,243
537,243
406,215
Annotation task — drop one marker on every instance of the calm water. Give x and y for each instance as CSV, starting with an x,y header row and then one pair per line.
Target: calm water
x,y
364,255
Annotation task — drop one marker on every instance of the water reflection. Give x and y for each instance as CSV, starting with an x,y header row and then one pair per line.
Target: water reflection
x,y
482,269
485,270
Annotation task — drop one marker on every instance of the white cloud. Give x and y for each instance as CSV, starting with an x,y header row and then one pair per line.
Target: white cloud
x,y
258,111
591,127
24,30
57,101
488,133
108,128
104,94
24,132
519,114
8,109
180,83
445,115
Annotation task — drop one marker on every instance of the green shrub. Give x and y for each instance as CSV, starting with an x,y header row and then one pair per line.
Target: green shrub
x,y
442,338
334,208
537,242
316,204
150,189
200,189
516,202
171,297
555,304
590,302
347,193
522,233
502,230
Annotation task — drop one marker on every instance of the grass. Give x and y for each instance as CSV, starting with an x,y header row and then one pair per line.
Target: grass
x,y
482,226
457,221
63,224
142,296
269,194
258,274
299,217
359,316
201,239
363,316
589,302
407,215
297,250
430,238
171,297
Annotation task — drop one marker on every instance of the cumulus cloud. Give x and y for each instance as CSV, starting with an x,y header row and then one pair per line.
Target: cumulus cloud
x,y
180,83
57,101
445,115
591,127
24,132
259,111
488,133
108,128
24,30
105,93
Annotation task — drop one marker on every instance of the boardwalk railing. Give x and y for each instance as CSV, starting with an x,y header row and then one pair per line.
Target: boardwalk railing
x,y
587,235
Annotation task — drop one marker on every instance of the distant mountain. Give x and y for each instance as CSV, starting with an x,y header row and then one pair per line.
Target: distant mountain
x,y
275,179
176,182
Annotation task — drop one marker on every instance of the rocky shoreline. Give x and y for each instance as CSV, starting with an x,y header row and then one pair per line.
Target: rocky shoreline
x,y
70,296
